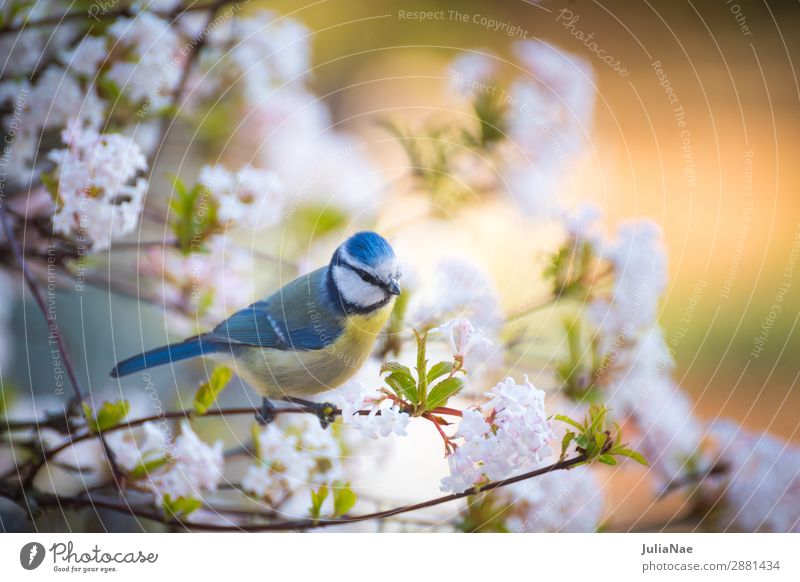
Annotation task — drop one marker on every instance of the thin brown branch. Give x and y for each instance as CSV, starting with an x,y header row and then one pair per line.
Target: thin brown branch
x,y
49,454
194,52
124,11
172,243
693,478
299,524
55,331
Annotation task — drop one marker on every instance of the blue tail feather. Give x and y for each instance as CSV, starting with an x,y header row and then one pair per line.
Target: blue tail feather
x,y
164,355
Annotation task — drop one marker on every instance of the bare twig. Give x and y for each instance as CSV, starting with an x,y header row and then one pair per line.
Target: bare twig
x,y
54,331
298,524
74,439
693,478
109,14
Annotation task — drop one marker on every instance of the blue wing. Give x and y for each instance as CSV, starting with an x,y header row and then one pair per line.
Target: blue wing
x,y
298,317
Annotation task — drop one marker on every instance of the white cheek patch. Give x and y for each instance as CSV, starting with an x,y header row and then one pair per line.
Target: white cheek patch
x,y
355,290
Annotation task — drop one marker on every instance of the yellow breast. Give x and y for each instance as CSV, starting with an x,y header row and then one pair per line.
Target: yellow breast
x,y
277,373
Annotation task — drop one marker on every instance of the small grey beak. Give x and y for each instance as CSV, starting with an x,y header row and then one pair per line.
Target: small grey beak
x,y
394,287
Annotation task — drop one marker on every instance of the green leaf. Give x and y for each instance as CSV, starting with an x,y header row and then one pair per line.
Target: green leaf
x,y
569,421
422,368
144,469
208,392
598,418
631,454
169,111
607,459
396,367
443,391
565,442
255,431
439,370
318,497
491,112
402,385
110,414
343,500
108,88
193,216
180,507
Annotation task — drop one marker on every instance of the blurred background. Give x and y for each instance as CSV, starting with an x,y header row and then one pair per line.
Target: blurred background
x,y
704,144
730,230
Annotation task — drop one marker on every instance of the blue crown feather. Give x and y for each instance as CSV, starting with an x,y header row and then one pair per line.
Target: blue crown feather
x,y
369,248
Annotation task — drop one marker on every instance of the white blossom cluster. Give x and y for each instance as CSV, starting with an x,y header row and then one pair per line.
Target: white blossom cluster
x,y
760,487
99,192
545,119
506,434
250,197
384,417
640,277
265,58
153,59
261,51
462,337
294,455
193,467
144,67
24,50
638,363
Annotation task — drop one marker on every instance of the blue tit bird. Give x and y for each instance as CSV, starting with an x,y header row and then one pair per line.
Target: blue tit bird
x,y
311,335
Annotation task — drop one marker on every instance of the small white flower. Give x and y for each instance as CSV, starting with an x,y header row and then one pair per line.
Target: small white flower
x,y
354,396
260,480
86,58
473,425
250,197
389,421
384,416
57,99
259,53
194,467
462,336
133,448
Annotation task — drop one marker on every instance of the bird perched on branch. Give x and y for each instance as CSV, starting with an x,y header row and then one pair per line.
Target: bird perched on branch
x,y
310,336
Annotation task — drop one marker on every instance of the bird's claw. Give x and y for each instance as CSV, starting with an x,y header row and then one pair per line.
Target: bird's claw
x,y
265,414
326,412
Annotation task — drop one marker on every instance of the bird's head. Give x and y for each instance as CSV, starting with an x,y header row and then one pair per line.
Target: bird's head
x,y
365,273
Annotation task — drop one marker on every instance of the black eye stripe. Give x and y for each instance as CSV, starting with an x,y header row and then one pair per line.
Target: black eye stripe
x,y
365,276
